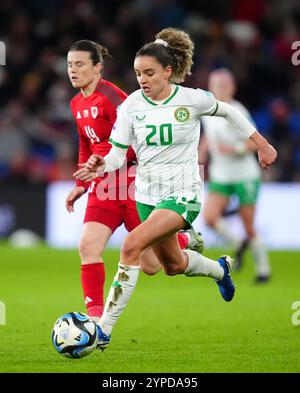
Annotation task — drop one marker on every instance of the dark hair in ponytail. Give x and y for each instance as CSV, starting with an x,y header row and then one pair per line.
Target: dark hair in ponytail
x,y
97,51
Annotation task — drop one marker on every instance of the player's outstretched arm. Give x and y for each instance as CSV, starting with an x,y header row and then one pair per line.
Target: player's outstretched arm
x,y
266,152
97,165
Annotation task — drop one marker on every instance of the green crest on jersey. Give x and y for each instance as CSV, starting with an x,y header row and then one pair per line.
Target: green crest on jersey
x,y
182,114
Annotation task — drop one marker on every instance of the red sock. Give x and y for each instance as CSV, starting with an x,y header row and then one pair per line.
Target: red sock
x,y
182,240
92,280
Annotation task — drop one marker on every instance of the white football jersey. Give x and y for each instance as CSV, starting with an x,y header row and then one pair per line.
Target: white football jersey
x,y
165,138
229,168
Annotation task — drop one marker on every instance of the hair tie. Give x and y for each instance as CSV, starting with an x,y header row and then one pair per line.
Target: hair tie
x,y
159,41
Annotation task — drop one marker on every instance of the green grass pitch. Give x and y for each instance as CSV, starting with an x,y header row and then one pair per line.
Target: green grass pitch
x,y
172,324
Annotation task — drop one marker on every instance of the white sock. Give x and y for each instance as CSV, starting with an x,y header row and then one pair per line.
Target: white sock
x,y
199,265
120,292
260,256
222,229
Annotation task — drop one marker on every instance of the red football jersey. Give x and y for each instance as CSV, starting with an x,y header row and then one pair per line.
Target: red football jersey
x,y
95,116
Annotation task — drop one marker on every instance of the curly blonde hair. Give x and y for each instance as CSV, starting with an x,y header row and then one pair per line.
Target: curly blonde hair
x,y
182,51
172,47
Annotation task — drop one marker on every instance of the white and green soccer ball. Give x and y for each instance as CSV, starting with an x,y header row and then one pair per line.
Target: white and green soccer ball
x,y
74,335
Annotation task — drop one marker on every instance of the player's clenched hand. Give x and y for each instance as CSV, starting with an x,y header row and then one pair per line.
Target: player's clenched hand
x,y
266,152
73,196
91,169
267,155
94,161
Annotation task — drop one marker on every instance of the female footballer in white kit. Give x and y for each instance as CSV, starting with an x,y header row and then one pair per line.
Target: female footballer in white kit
x,y
233,170
161,121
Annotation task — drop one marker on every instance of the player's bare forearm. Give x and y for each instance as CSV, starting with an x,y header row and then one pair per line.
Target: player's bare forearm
x,y
266,153
251,146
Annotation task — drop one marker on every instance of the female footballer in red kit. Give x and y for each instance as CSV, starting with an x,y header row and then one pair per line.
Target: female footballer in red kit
x,y
111,198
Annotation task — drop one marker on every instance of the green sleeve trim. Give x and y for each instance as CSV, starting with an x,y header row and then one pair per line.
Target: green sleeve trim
x,y
215,111
117,144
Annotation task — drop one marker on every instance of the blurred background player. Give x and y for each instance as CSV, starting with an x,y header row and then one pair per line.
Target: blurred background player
x,y
111,198
162,121
233,170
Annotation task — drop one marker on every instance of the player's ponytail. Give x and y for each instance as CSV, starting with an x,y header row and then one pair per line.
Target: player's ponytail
x,y
97,51
172,47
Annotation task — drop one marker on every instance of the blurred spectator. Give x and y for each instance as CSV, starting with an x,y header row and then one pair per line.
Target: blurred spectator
x,y
14,146
282,126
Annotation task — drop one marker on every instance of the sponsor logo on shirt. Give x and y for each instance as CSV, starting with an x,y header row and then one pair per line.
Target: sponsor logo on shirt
x,y
86,113
78,115
140,117
182,114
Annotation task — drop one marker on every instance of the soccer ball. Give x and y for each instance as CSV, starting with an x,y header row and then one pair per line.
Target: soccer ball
x,y
74,335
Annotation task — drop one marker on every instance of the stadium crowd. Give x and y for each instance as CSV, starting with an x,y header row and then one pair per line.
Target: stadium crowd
x,y
252,38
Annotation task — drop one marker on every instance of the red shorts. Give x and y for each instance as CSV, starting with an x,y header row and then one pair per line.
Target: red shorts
x,y
117,209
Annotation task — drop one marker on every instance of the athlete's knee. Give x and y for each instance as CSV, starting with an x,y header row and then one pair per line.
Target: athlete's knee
x,y
88,250
131,248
